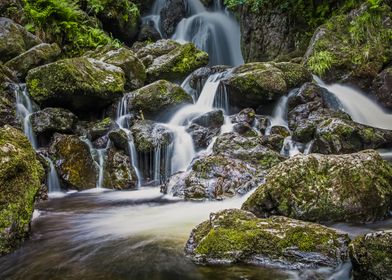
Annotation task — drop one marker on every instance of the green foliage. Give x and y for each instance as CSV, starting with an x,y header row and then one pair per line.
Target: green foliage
x,y
320,62
63,21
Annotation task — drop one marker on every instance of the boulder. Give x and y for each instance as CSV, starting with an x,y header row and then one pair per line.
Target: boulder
x,y
342,51
120,139
236,236
119,173
73,161
157,98
254,84
371,256
32,58
7,97
21,175
202,136
167,59
199,77
320,188
247,115
382,88
14,39
51,120
148,33
149,136
100,128
171,14
76,83
213,119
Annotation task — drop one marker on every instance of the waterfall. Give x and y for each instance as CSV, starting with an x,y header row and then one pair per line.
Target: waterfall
x,y
24,109
359,106
214,32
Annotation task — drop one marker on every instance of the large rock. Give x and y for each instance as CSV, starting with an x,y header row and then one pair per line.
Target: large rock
x,y
149,136
7,97
255,84
341,50
21,175
34,57
14,39
236,236
382,88
76,83
171,14
157,98
119,173
167,59
371,256
51,120
73,161
213,119
100,128
319,188
134,70
202,136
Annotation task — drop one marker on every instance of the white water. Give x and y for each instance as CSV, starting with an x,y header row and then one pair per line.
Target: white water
x,y
53,178
359,106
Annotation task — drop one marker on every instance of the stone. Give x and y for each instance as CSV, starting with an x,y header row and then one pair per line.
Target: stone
x,y
148,136
382,88
51,120
171,14
213,119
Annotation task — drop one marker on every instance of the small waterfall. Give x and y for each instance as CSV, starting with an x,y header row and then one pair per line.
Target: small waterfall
x,y
155,15
214,32
290,148
24,109
53,178
360,107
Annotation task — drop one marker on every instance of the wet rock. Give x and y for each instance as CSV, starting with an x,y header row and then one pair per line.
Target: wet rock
x,y
254,84
134,70
148,136
119,173
51,120
14,39
167,59
262,123
371,256
100,128
236,236
148,33
320,188
157,98
213,119
21,175
171,14
273,141
280,130
32,58
202,136
247,115
73,161
245,129
382,87
199,77
120,139
76,83
336,51
7,97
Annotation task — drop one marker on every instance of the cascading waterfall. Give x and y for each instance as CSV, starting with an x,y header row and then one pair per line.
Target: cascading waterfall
x,y
53,178
154,18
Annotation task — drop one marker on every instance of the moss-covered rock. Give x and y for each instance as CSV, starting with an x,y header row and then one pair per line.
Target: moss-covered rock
x,y
34,57
120,139
7,97
157,98
14,39
236,236
76,83
100,128
167,59
254,84
371,256
213,119
319,188
149,136
21,175
73,161
12,9
352,47
202,136
119,173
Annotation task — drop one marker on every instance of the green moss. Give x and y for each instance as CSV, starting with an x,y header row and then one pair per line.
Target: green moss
x,y
320,62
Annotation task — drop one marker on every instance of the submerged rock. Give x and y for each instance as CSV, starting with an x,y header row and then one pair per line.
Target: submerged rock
x,y
119,173
158,98
21,175
73,161
32,58
76,83
236,236
149,136
14,39
167,59
320,188
371,256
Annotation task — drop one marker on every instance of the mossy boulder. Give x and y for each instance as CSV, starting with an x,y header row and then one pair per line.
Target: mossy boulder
x,y
157,98
352,47
320,188
73,162
120,139
371,256
119,173
167,59
382,88
21,175
236,236
51,120
254,84
14,39
7,97
149,136
32,58
100,128
134,70
76,83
